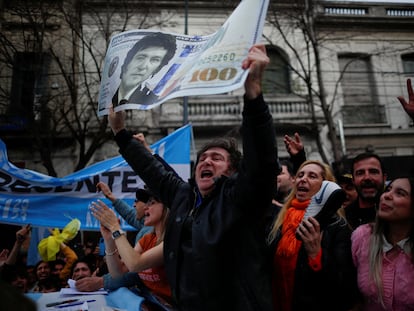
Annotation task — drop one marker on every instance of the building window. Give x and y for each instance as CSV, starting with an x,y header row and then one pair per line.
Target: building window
x,y
358,86
408,63
276,78
29,83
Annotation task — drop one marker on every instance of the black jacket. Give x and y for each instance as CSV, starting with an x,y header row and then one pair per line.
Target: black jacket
x,y
334,287
139,97
357,216
215,254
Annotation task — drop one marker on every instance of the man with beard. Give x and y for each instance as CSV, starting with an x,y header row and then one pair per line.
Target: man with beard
x,y
369,180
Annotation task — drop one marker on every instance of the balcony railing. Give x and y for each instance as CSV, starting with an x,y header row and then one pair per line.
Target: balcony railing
x,y
343,14
226,111
400,12
345,11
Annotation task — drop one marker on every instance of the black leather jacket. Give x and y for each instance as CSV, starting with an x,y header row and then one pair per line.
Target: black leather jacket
x,y
215,253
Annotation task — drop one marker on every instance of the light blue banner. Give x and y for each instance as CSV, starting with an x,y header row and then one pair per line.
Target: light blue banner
x,y
30,197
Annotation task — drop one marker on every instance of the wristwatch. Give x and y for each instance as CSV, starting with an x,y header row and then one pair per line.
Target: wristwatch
x,y
117,233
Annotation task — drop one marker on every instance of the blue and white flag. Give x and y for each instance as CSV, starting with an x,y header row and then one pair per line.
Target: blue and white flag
x,y
29,197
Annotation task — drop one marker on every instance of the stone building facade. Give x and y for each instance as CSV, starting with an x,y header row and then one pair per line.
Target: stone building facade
x,y
366,53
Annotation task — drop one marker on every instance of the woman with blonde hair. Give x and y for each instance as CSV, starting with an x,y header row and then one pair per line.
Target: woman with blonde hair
x,y
312,264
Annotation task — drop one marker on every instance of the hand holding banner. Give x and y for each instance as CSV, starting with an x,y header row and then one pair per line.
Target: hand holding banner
x,y
145,68
30,197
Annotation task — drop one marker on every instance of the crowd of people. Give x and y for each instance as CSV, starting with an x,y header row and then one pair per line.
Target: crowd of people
x,y
247,232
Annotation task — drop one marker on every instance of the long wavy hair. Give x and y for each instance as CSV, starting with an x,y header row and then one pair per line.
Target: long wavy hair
x,y
327,174
376,255
165,214
163,220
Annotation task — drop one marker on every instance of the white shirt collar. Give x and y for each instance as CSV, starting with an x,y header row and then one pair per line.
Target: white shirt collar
x,y
403,244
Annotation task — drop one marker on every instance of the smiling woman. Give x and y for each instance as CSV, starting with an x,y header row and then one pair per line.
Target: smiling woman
x,y
383,252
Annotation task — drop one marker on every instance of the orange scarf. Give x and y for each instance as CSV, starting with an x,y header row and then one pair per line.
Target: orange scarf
x,y
286,256
289,244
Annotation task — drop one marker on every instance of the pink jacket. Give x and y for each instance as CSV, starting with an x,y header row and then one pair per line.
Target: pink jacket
x,y
397,275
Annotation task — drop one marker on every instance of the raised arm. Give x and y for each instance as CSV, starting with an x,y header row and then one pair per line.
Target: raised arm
x,y
141,138
294,146
106,191
408,106
70,257
259,166
21,236
162,180
256,63
127,212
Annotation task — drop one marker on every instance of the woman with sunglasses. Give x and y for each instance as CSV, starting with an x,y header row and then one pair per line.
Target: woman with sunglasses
x,y
146,258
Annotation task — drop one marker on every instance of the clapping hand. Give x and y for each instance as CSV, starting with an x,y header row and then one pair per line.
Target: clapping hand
x,y
105,215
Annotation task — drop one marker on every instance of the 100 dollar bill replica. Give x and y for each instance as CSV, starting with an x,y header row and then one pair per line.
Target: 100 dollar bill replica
x,y
144,68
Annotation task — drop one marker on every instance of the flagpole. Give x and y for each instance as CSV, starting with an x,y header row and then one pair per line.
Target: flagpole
x,y
185,99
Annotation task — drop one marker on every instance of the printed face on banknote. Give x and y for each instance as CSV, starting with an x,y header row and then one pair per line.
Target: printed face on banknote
x,y
142,66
